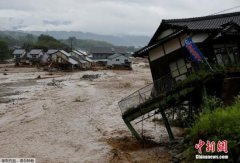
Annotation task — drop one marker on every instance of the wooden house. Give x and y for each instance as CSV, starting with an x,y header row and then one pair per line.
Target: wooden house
x,y
20,57
101,54
18,53
84,64
46,57
35,55
86,57
119,60
217,37
63,59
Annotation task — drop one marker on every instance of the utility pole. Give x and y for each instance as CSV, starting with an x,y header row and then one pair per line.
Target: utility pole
x,y
71,39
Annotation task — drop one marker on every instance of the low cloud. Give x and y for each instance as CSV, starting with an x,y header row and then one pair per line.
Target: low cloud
x,y
56,22
102,16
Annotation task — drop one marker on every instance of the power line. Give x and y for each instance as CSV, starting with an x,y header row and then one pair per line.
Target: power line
x,y
227,10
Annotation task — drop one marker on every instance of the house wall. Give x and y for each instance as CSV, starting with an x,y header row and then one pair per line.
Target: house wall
x,y
59,58
34,55
165,33
156,53
161,66
17,56
172,45
45,58
82,65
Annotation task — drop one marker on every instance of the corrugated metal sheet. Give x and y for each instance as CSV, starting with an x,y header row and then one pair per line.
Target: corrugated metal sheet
x,y
72,61
65,53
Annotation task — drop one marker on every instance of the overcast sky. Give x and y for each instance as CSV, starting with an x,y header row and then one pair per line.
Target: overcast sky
x,y
138,17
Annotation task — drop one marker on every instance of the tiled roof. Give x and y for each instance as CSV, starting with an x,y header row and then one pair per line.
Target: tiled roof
x,y
65,53
112,50
212,23
205,23
51,51
114,56
77,52
19,51
36,51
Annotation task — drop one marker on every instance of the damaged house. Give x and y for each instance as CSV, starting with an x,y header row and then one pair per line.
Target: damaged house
x,y
84,64
64,60
218,39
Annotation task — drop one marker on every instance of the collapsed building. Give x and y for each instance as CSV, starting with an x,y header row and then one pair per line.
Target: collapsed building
x,y
180,79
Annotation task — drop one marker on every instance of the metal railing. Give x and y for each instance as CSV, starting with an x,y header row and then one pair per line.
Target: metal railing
x,y
162,85
159,87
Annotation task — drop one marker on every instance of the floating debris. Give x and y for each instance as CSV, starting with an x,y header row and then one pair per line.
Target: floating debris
x,y
91,77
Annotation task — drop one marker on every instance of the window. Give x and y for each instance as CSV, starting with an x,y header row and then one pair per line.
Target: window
x,y
226,54
178,69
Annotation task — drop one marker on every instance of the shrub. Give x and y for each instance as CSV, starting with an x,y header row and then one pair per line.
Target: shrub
x,y
222,123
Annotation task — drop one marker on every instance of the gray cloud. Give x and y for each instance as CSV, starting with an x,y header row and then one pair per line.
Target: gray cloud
x,y
102,16
56,22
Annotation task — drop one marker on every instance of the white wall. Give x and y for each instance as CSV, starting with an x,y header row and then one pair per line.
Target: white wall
x,y
44,58
172,45
165,33
121,60
156,53
59,56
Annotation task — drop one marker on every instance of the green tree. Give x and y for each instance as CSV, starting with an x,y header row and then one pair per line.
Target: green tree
x,y
4,51
47,42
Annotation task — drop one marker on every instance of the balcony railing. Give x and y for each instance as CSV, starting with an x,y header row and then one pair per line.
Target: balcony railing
x,y
151,91
156,89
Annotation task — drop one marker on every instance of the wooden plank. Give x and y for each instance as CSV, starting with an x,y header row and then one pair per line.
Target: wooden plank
x,y
165,120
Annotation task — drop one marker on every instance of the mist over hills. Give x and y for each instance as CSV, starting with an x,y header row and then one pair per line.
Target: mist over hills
x,y
118,40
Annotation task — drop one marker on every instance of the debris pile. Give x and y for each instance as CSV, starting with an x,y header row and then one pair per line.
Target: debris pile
x,y
55,83
91,77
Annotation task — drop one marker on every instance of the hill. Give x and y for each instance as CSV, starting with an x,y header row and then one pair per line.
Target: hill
x,y
118,40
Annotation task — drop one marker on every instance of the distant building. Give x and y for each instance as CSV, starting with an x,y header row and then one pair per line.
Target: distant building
x,y
18,53
51,51
85,56
117,60
80,58
20,56
99,53
46,57
35,55
64,60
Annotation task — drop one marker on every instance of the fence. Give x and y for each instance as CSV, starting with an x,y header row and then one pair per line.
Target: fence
x,y
164,84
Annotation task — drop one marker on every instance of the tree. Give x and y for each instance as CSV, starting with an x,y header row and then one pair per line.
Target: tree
x,y
4,51
47,42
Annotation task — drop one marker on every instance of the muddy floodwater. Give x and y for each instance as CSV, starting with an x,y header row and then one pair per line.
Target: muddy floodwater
x,y
62,117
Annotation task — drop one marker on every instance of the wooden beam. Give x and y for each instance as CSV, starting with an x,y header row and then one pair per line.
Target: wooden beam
x,y
133,131
170,134
164,51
